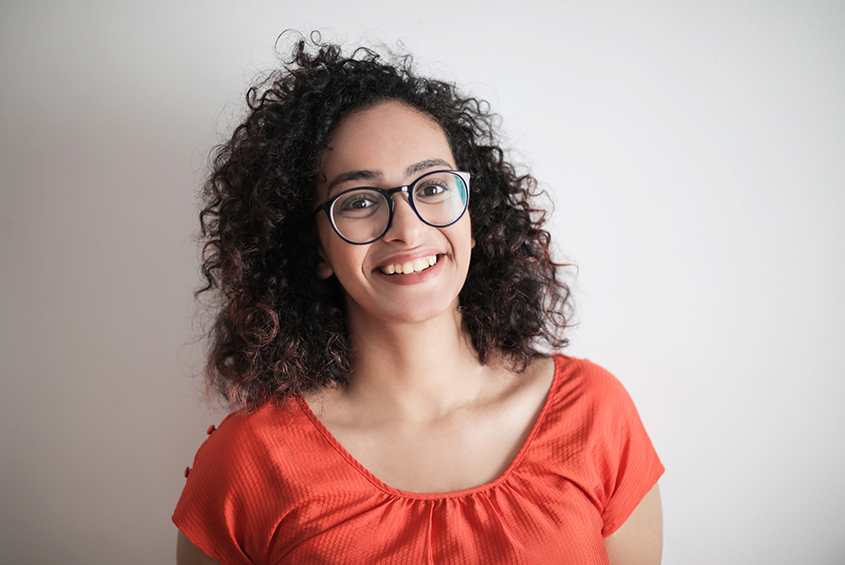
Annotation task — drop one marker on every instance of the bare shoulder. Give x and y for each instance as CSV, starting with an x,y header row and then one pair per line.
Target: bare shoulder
x,y
522,393
542,369
189,554
537,378
328,403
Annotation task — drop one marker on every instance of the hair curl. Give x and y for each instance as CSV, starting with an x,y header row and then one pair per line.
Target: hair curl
x,y
279,329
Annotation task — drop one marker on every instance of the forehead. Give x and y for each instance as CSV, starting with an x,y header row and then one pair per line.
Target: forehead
x,y
385,139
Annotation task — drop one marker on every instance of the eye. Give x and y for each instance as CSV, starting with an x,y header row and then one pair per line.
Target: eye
x,y
432,191
357,204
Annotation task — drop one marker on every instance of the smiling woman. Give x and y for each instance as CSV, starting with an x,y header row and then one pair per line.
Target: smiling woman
x,y
414,270
385,295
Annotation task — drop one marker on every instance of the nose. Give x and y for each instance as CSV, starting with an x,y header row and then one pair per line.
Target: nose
x,y
406,226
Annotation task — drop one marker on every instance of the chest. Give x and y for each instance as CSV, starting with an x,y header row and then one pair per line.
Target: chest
x,y
440,457
513,522
469,445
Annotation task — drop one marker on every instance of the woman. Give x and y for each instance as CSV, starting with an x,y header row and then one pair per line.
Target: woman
x,y
385,288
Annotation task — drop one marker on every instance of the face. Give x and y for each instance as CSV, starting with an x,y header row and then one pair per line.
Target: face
x,y
387,146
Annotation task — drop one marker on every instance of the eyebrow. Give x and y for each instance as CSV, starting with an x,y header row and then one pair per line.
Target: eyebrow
x,y
365,174
426,165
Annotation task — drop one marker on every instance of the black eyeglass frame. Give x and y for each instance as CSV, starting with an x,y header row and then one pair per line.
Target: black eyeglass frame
x,y
388,195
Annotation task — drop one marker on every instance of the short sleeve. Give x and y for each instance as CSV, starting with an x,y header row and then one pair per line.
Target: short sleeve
x,y
626,461
219,510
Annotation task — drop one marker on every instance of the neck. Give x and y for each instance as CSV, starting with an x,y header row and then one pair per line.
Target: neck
x,y
414,370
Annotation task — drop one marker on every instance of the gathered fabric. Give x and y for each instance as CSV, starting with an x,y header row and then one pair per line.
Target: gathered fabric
x,y
275,487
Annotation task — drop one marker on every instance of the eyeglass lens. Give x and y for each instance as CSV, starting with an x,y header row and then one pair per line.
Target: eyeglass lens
x,y
363,215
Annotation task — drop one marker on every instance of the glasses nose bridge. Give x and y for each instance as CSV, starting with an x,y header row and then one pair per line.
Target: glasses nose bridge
x,y
401,189
408,201
406,190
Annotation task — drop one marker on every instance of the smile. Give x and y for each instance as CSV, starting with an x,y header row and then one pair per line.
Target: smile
x,y
414,266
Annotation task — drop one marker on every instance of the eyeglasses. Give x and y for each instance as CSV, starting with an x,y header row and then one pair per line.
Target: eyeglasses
x,y
363,215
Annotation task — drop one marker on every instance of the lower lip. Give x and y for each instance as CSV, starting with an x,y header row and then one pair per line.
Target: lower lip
x,y
413,278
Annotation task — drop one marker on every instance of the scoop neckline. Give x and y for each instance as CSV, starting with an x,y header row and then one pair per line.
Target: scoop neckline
x,y
381,485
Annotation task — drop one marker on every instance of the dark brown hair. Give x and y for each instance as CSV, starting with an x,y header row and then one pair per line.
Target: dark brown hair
x,y
279,330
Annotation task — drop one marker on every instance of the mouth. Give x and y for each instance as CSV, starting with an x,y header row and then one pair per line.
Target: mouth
x,y
410,267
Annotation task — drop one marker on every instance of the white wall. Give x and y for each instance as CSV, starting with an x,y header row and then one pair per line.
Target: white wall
x,y
696,155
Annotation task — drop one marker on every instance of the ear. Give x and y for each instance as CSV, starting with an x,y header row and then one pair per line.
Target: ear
x,y
324,270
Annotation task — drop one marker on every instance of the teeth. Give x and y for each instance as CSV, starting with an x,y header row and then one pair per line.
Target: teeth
x,y
409,267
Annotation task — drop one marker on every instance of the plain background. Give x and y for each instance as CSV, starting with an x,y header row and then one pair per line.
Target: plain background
x,y
695,154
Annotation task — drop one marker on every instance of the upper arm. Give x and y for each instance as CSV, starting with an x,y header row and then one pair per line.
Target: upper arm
x,y
189,554
639,541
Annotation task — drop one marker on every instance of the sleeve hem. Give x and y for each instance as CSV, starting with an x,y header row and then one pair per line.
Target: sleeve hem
x,y
203,544
622,513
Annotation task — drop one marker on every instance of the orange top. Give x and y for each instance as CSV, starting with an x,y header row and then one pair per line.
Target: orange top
x,y
275,487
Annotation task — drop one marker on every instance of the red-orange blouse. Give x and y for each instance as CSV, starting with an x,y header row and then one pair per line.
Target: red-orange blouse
x,y
275,487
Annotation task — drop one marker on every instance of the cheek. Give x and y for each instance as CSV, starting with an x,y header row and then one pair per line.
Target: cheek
x,y
341,259
465,234
463,243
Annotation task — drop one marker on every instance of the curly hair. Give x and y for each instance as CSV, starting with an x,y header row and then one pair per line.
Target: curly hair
x,y
279,330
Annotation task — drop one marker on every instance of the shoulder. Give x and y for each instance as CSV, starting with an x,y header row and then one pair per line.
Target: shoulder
x,y
589,398
225,509
588,383
593,419
259,435
584,399
609,451
244,456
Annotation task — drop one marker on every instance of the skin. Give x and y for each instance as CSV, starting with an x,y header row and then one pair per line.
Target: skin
x,y
420,412
189,554
419,422
387,146
639,541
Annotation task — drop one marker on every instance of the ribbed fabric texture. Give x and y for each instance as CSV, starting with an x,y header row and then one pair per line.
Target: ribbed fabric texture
x,y
275,487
